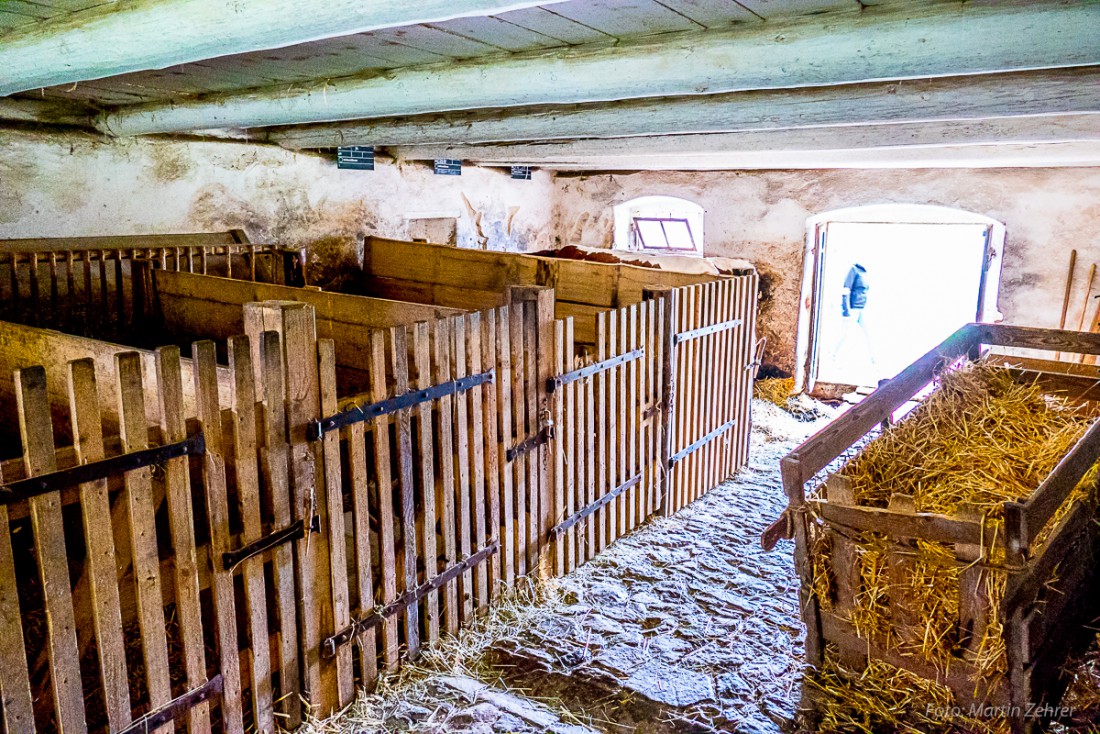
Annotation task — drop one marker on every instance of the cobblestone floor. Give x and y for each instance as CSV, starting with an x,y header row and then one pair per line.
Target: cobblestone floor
x,y
684,626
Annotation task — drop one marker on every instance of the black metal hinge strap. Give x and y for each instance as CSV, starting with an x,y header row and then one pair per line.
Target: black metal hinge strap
x,y
559,530
683,454
96,470
593,369
295,531
359,626
529,444
705,330
391,405
176,709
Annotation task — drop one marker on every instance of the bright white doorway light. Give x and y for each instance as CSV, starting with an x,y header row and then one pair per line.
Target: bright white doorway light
x,y
929,270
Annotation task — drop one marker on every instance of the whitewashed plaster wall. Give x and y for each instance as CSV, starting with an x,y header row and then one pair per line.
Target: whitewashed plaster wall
x,y
81,186
761,216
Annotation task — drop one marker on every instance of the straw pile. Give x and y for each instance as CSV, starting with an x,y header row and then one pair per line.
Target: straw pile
x,y
775,390
981,438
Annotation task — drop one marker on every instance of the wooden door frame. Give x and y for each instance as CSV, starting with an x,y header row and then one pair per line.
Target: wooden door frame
x,y
812,262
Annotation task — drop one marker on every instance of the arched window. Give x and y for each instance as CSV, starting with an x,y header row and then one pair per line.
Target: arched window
x,y
659,224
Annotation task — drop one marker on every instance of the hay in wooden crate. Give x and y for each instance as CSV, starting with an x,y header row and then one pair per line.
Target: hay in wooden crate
x,y
981,438
883,698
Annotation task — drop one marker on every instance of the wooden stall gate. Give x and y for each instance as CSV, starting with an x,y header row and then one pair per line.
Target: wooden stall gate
x,y
158,524
69,282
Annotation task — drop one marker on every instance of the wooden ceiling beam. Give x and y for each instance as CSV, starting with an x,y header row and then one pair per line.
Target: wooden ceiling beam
x,y
1043,155
118,38
948,98
783,146
875,44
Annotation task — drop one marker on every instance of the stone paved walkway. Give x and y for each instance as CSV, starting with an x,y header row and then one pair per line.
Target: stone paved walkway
x,y
684,626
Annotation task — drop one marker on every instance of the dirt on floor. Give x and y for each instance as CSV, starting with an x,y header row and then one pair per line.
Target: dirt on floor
x,y
684,626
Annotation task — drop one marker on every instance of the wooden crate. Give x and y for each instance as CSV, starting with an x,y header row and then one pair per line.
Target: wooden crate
x,y
1052,583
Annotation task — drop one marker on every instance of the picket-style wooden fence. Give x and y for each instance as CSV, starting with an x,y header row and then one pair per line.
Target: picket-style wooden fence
x,y
289,543
98,282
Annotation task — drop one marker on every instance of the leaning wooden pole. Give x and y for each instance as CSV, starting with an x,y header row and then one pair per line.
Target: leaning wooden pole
x,y
1069,290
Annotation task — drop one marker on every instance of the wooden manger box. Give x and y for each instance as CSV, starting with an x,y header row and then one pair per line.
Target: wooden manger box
x,y
1016,594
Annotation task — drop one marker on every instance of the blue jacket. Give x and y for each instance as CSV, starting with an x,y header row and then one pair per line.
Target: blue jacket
x,y
855,288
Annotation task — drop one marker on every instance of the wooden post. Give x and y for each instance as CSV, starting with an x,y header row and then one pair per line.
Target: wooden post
x,y
794,486
666,391
543,298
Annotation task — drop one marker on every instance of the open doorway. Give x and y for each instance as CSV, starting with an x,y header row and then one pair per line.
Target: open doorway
x,y
886,284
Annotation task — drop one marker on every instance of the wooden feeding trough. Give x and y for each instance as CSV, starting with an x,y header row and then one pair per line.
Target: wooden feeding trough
x,y
1049,573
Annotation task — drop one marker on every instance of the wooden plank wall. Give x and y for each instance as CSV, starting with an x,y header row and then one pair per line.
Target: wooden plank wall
x,y
478,279
188,305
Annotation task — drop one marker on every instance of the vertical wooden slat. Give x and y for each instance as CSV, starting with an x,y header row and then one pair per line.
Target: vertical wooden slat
x,y
710,370
331,510
104,298
535,499
17,709
591,460
383,474
426,460
55,295
120,292
670,369
634,408
559,443
602,435
734,368
243,437
217,514
492,446
626,410
86,272
182,523
145,559
364,576
722,366
570,447
506,439
462,451
579,422
735,354
203,257
36,306
15,294
399,362
442,340
70,287
277,480
477,459
95,507
304,407
610,343
519,419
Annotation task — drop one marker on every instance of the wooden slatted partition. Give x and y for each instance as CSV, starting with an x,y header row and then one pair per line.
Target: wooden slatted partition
x,y
317,539
102,283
